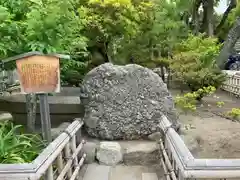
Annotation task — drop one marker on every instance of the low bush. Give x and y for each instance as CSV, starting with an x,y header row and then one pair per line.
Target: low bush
x,y
194,64
234,113
220,104
16,146
73,72
188,102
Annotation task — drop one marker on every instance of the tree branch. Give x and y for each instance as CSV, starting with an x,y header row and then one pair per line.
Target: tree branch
x,y
231,6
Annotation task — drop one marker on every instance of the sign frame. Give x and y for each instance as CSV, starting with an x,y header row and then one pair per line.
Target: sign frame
x,y
39,74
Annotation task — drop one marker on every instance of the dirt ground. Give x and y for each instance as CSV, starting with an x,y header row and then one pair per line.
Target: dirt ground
x,y
207,133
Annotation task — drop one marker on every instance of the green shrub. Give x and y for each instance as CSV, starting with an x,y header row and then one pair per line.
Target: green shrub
x,y
188,101
234,113
162,62
220,104
72,77
73,72
194,64
205,91
17,147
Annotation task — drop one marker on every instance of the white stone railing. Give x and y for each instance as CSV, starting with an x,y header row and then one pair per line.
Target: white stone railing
x,y
232,84
179,163
59,160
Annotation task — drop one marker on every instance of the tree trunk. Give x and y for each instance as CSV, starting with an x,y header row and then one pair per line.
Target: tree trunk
x,y
101,48
231,6
204,18
168,78
195,19
106,44
163,73
232,38
31,106
208,6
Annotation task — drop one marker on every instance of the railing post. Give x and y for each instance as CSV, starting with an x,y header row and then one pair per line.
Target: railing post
x,y
74,148
60,163
49,174
67,156
78,134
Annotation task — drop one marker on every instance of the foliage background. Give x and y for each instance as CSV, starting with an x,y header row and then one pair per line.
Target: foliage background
x,y
118,31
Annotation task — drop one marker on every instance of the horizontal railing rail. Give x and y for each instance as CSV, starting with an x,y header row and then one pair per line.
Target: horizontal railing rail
x,y
58,159
178,159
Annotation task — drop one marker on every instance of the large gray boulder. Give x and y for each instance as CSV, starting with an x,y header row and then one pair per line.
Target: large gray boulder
x,y
124,102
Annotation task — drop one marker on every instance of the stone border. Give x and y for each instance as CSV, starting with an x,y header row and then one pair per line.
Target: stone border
x,y
190,167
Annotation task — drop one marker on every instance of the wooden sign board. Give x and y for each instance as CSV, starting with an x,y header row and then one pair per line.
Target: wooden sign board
x,y
39,74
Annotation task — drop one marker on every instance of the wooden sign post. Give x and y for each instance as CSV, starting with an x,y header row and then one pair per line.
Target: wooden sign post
x,y
40,74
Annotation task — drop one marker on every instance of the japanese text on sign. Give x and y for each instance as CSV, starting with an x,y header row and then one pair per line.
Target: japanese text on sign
x,y
39,74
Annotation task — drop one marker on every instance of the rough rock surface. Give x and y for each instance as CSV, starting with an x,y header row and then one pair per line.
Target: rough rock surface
x,y
124,102
109,153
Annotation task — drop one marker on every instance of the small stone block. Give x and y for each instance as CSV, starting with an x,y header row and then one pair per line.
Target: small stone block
x,y
109,153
